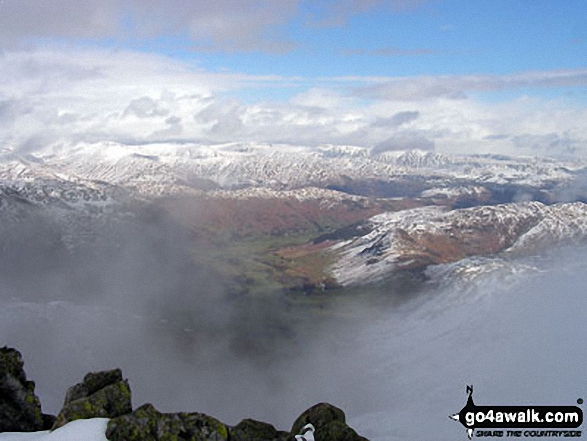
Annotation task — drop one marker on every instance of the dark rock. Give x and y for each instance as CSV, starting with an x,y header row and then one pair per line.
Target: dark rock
x,y
99,395
329,423
48,421
148,424
336,431
107,395
20,408
318,415
251,430
93,382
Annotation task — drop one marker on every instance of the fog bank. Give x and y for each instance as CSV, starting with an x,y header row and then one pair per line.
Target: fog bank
x,y
396,359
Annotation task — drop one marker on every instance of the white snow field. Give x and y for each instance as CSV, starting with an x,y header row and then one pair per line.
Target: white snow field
x,y
80,430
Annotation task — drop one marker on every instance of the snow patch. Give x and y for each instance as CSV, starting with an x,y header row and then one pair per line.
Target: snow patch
x,y
87,430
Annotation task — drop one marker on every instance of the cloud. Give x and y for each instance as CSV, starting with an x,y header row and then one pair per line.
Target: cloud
x,y
8,110
396,120
173,130
457,86
26,19
227,119
496,137
231,25
145,107
173,120
62,97
337,13
241,26
410,140
319,98
550,143
37,141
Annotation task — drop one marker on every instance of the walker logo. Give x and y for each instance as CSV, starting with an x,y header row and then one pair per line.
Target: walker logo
x,y
481,420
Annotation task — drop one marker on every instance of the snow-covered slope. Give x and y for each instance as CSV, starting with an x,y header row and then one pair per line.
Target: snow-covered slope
x,y
417,238
87,430
77,188
165,169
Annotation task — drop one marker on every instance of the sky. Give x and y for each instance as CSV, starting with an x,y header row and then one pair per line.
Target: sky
x,y
500,76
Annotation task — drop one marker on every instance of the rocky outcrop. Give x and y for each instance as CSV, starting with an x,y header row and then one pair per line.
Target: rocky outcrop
x,y
329,424
251,430
99,395
148,424
107,395
20,408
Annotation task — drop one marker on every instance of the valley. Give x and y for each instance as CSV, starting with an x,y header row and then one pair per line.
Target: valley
x,y
270,218
215,263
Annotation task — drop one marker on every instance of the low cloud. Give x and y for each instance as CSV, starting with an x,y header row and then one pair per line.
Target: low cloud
x,y
459,86
172,131
396,120
64,97
496,137
145,107
35,142
8,110
551,143
404,141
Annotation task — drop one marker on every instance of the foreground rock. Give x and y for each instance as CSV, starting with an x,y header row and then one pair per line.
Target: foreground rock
x,y
329,423
106,395
251,430
99,395
20,408
148,424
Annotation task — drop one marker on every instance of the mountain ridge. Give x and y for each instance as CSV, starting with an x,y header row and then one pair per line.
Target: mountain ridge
x,y
422,208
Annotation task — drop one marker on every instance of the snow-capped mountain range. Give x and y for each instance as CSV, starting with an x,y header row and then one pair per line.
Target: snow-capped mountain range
x,y
157,169
453,207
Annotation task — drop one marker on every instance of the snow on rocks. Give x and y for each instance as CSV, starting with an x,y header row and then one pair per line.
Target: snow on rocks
x,y
417,238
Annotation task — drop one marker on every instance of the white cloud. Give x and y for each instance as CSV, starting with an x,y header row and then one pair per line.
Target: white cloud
x,y
227,25
26,19
319,98
145,107
62,97
548,142
405,140
472,126
219,25
396,120
458,86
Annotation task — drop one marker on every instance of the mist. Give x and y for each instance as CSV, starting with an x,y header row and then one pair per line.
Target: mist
x,y
395,357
